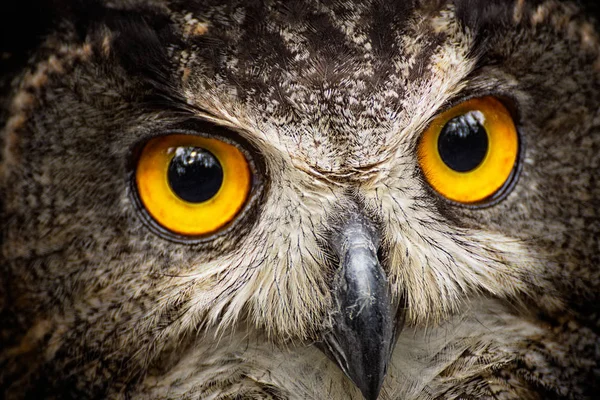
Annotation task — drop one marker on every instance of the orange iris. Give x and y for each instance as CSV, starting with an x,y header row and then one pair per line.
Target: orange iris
x,y
468,153
192,185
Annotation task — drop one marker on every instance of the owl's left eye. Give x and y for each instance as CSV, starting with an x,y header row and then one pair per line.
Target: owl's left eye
x,y
192,185
469,153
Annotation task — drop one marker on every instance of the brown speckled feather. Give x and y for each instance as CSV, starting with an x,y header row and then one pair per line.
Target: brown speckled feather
x,y
328,99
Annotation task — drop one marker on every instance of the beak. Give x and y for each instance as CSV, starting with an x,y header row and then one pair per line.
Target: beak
x,y
365,322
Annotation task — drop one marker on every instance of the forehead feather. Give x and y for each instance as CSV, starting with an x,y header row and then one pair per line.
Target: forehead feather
x,y
335,85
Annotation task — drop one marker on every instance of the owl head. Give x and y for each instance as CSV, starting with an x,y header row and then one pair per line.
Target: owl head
x,y
194,189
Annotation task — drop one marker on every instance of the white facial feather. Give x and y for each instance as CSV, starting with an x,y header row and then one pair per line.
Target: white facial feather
x,y
420,357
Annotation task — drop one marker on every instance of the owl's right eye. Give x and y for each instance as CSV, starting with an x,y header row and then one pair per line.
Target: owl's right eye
x,y
192,185
469,153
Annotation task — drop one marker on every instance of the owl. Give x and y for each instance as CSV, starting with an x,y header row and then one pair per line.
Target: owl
x,y
308,199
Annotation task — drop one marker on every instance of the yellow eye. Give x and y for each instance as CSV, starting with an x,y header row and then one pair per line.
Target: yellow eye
x,y
192,185
469,152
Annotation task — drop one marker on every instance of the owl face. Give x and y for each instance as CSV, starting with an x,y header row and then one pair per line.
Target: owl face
x,y
295,199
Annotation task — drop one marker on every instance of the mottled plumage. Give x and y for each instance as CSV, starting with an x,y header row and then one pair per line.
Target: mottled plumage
x,y
328,100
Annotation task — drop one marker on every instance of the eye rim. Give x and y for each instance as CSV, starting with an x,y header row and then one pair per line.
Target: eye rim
x,y
452,111
200,128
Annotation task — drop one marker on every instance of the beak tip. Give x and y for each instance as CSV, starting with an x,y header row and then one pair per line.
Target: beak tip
x,y
365,367
369,388
371,395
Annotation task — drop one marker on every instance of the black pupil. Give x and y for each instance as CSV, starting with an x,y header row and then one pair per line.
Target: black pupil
x,y
463,143
195,174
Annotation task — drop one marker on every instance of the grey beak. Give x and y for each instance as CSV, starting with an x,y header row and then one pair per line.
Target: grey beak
x,y
365,322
